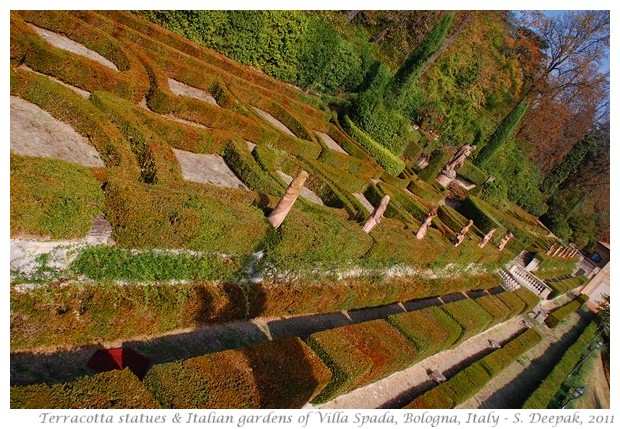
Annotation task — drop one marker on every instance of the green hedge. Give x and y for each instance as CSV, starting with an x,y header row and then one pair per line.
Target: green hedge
x,y
500,359
392,164
499,311
453,219
119,389
250,173
479,211
375,341
562,286
425,191
548,387
430,330
470,315
51,197
515,304
564,311
430,172
530,299
277,374
470,380
472,173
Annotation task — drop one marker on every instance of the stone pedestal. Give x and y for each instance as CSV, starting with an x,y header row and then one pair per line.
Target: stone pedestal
x,y
444,180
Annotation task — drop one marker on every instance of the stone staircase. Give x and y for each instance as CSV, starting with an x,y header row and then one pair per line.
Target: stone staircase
x,y
530,281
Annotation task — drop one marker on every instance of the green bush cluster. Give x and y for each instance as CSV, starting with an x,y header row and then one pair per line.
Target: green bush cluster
x,y
530,299
549,386
564,311
276,374
472,173
119,389
500,359
437,162
498,310
53,198
562,286
480,212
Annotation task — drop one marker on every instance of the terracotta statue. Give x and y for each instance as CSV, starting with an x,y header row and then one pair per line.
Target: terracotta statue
x,y
505,239
486,238
377,214
427,222
457,160
285,204
461,235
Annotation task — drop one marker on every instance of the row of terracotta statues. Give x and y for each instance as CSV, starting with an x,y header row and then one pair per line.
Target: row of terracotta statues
x,y
279,213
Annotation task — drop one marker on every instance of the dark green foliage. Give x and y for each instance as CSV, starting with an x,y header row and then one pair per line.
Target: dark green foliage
x,y
113,389
472,173
567,167
480,212
250,173
562,286
276,374
548,387
383,156
104,263
410,69
51,197
495,307
502,133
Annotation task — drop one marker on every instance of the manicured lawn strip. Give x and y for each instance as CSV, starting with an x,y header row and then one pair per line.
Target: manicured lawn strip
x,y
470,315
497,361
113,389
548,387
275,374
51,197
431,330
564,311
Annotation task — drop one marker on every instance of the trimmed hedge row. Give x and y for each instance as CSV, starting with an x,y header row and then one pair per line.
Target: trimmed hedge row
x,y
476,209
500,359
530,299
562,286
470,380
564,311
431,330
119,389
499,311
380,348
470,315
51,197
66,106
548,387
29,48
390,162
472,173
437,162
276,374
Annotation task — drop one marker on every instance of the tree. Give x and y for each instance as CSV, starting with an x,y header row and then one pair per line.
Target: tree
x,y
568,166
411,68
561,60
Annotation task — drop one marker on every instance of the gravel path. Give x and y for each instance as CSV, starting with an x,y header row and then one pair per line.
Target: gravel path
x,y
330,142
34,132
206,168
179,88
400,388
273,121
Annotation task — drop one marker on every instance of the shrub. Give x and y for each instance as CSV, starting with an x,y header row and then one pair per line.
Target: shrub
x,y
437,162
246,168
548,387
470,315
561,286
430,330
480,212
113,389
383,156
513,302
277,374
51,197
425,191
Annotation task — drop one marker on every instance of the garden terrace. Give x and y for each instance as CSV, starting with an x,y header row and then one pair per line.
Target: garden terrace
x,y
191,248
